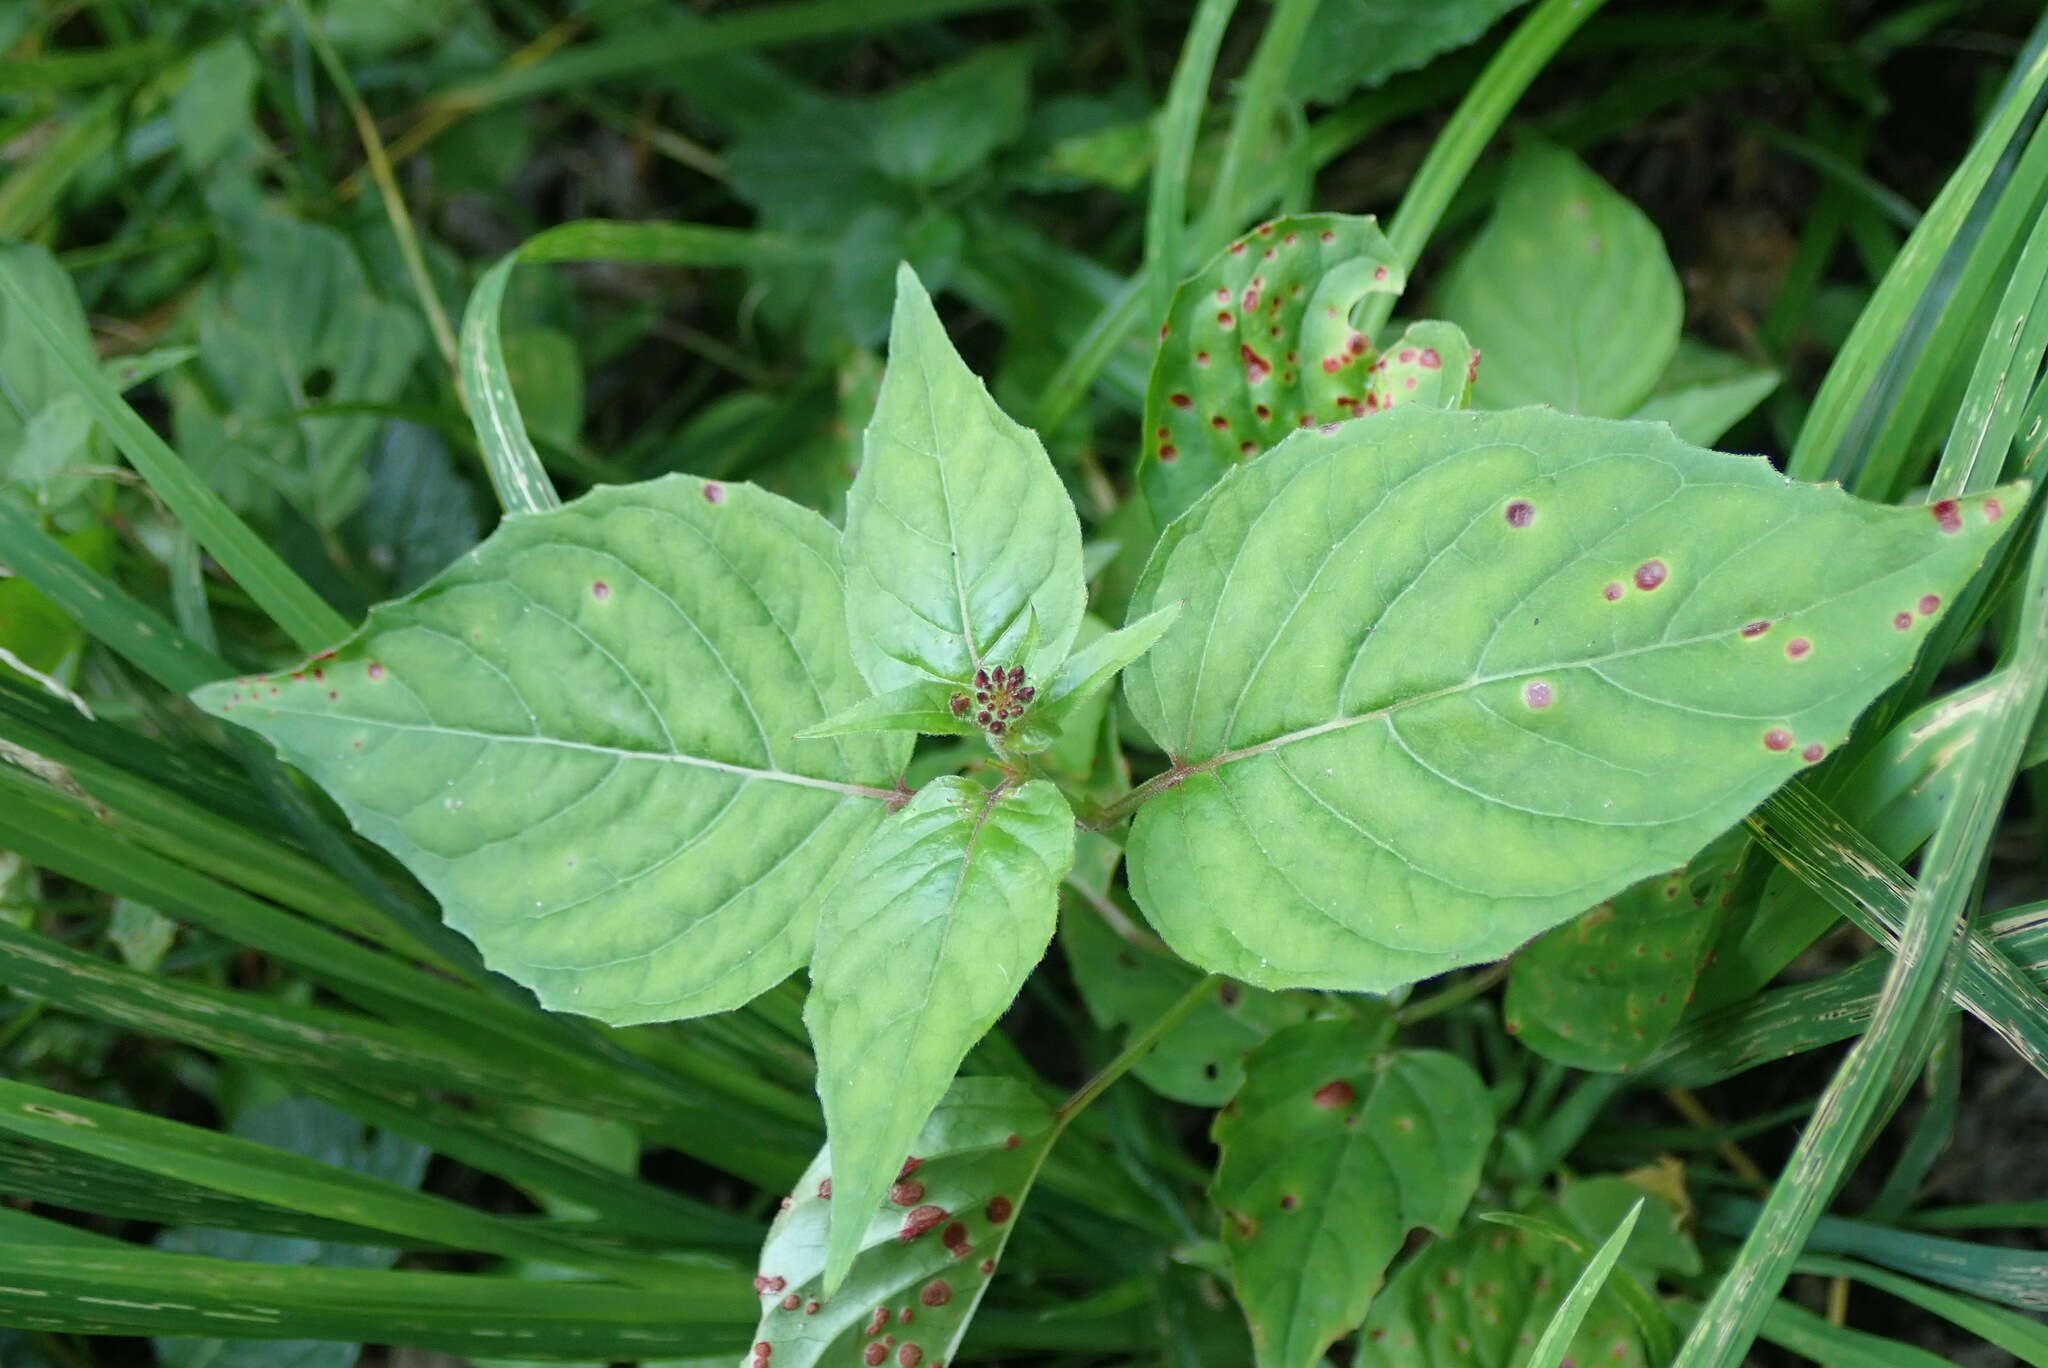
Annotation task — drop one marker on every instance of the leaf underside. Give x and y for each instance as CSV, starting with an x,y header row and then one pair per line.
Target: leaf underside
x,y
925,1257
1443,680
1332,1153
579,738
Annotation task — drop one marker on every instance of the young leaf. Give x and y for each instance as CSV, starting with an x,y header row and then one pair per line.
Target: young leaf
x,y
1360,43
1446,679
580,739
923,708
1568,292
1564,1324
1604,990
959,534
923,1262
1201,1060
945,912
1095,665
1332,1153
1258,343
1480,1299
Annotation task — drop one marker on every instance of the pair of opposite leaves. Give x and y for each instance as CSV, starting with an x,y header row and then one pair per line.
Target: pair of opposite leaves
x,y
1437,682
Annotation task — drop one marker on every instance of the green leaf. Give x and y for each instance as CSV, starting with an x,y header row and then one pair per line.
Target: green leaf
x,y
1480,1299
547,374
938,129
925,708
1567,291
1660,1243
925,1259
1332,1153
1565,1322
1200,1061
1603,991
297,323
1446,679
944,913
1093,667
211,109
1358,43
1432,363
45,424
960,539
1259,342
1704,392
580,739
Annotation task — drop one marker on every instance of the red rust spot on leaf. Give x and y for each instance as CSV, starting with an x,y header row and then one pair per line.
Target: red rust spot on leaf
x,y
375,671
920,1220
1650,574
1813,753
1929,604
1537,694
1336,1093
954,1238
1519,513
909,1192
714,492
1429,360
1777,739
1948,515
998,1210
1756,629
1612,593
1797,647
764,1284
1902,621
1256,368
936,1292
910,1356
825,1189
874,1356
1012,1141
1179,401
600,591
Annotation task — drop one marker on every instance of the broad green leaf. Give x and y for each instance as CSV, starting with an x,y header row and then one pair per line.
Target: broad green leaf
x,y
1567,291
940,128
417,514
1259,342
296,323
961,542
1332,1153
580,739
1704,392
44,425
1360,43
1444,680
1604,990
1432,363
1201,1060
944,913
924,1259
1660,1243
1480,1299
210,110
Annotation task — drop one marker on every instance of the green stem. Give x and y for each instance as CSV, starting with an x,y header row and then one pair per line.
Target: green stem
x,y
1259,97
1180,121
1456,149
1139,1046
1106,818
387,184
1464,990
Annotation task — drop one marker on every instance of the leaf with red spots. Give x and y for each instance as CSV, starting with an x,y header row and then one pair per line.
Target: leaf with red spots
x,y
1331,1153
602,788
1604,990
1432,364
961,541
1258,343
1367,789
1567,291
977,1157
1482,1298
1201,1060
949,907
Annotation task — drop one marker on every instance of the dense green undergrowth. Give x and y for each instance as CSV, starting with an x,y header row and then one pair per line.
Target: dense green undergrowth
x,y
827,683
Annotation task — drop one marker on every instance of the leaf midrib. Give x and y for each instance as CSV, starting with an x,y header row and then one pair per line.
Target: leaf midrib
x,y
619,752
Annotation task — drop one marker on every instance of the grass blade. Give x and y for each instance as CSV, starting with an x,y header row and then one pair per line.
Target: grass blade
x,y
1557,1336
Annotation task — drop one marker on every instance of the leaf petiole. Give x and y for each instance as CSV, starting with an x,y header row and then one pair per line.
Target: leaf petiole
x,y
1136,1049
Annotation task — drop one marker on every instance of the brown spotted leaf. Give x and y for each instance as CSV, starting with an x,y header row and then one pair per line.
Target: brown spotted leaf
x,y
1332,1153
1604,990
1442,681
925,1256
1256,344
